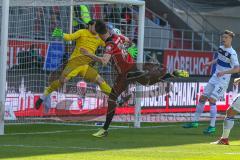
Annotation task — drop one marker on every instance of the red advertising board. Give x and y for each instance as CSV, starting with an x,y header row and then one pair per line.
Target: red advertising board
x,y
15,46
191,61
183,97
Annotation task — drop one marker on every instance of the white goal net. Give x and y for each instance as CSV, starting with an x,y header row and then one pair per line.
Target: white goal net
x,y
34,56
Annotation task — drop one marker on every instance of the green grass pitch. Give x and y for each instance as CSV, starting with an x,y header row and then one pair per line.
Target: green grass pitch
x,y
167,142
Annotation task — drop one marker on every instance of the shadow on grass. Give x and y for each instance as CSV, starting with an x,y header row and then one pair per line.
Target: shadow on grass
x,y
60,139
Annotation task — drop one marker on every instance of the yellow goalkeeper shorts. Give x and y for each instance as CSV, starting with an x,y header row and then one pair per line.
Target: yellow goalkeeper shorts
x,y
73,69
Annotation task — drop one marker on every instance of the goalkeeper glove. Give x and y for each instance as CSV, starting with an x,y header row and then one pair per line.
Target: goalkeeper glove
x,y
57,32
133,51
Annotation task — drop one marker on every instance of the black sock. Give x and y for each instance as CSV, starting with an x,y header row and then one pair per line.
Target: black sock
x,y
167,75
110,114
108,120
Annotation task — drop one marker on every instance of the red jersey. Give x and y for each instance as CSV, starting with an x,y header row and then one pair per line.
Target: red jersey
x,y
121,59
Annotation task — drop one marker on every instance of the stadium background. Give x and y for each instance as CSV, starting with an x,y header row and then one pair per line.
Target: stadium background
x,y
178,33
181,35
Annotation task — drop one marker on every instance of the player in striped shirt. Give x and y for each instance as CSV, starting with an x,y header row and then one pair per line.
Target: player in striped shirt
x,y
217,85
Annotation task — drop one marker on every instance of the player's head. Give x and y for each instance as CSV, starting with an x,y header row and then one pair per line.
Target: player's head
x,y
109,26
101,29
112,29
91,26
227,37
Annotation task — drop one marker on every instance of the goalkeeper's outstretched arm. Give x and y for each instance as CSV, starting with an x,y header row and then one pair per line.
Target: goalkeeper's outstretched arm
x,y
58,32
72,36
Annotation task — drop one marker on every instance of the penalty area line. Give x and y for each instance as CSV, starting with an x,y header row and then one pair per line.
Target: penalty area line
x,y
79,130
49,132
55,132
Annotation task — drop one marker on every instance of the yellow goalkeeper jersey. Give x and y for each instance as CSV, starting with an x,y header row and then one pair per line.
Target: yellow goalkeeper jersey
x,y
84,39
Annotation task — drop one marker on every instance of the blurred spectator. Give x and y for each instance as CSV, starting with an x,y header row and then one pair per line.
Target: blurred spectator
x,y
81,16
126,15
163,22
112,14
37,59
39,24
107,8
85,14
156,20
30,58
115,15
96,11
126,20
154,59
54,18
135,36
53,23
148,14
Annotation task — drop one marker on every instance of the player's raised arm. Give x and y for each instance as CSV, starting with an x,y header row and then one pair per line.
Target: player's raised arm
x,y
58,32
125,39
72,36
132,49
236,69
104,60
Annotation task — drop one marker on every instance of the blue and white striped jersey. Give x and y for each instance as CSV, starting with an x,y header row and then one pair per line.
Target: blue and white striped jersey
x,y
227,59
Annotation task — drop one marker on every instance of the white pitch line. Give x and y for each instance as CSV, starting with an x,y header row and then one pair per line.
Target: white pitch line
x,y
85,130
173,125
50,132
65,124
164,126
199,152
188,152
233,153
80,130
54,132
52,147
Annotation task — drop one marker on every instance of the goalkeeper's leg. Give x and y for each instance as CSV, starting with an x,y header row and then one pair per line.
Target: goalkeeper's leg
x,y
103,85
66,75
93,76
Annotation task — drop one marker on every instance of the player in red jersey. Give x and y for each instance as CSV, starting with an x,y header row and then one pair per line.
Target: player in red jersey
x,y
127,70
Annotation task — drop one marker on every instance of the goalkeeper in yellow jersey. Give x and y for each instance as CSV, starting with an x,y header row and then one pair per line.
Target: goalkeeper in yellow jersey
x,y
78,64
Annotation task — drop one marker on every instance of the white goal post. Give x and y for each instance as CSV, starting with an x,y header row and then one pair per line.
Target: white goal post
x,y
3,61
6,35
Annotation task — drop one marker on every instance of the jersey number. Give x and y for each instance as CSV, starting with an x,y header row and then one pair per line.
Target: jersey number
x,y
219,90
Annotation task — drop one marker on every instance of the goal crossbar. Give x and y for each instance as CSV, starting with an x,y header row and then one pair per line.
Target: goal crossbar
x,y
70,2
